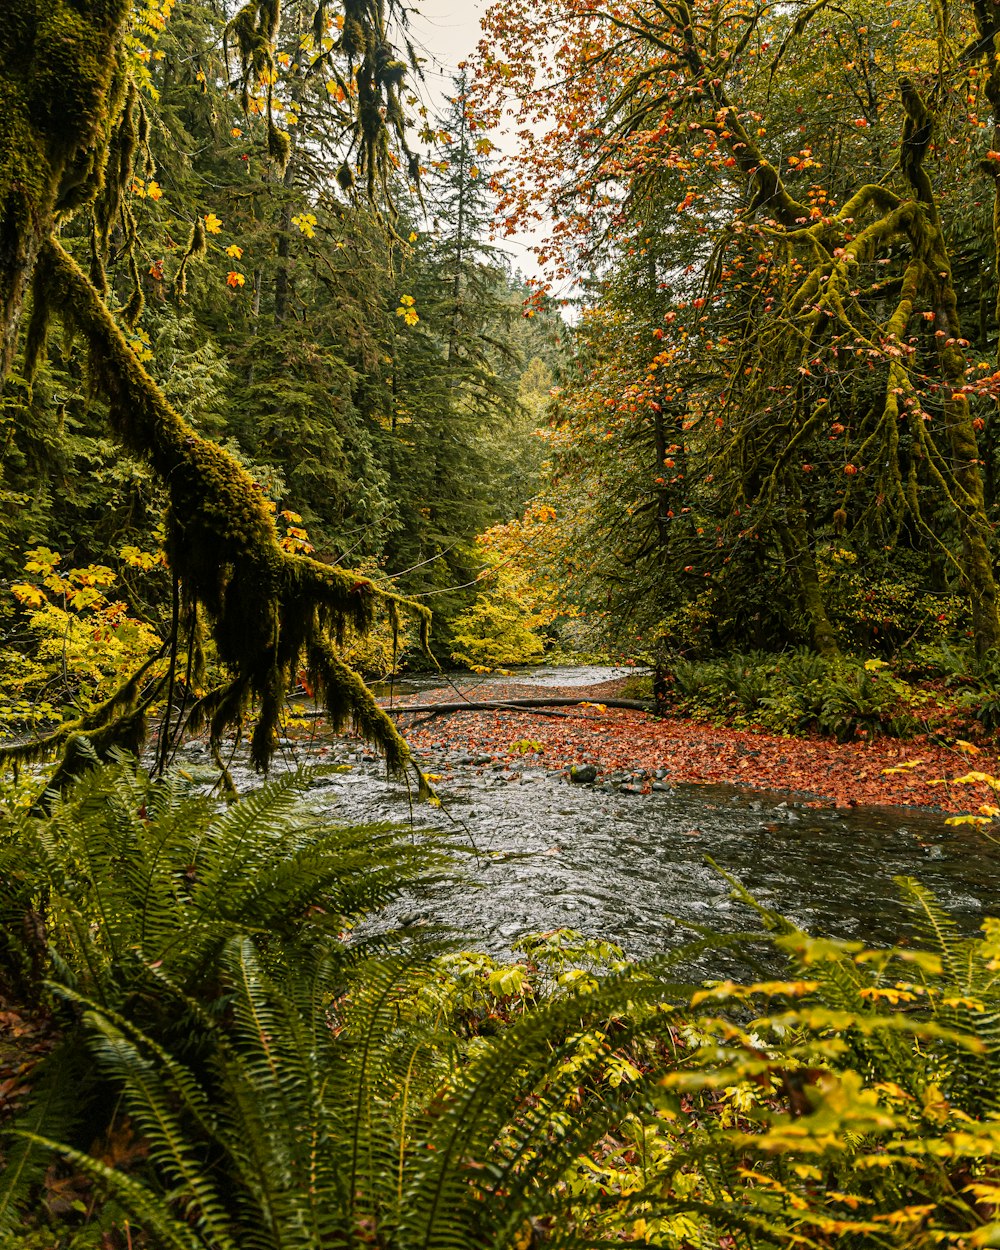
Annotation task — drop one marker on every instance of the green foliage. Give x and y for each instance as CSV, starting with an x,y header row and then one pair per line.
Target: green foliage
x,y
496,631
80,643
800,691
514,616
256,1079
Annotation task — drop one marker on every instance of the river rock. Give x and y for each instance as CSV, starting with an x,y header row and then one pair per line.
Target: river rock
x,y
583,773
203,776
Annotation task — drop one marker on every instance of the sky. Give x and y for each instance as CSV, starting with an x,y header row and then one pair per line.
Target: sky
x,y
446,32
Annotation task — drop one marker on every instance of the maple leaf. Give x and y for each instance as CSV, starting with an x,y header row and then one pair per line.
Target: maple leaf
x,y
30,596
235,279
306,223
213,224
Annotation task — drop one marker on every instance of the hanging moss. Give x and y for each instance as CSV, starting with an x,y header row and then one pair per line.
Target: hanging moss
x,y
119,721
268,608
197,246
71,127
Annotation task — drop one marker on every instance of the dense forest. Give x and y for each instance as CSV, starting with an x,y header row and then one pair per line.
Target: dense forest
x,y
283,425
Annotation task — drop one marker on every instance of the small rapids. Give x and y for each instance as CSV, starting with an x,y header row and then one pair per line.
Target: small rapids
x,y
633,868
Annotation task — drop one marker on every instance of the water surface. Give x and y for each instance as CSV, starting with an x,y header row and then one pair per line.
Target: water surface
x,y
633,868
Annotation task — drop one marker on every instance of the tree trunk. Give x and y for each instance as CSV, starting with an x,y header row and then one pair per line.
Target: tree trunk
x,y
60,86
797,546
282,278
977,558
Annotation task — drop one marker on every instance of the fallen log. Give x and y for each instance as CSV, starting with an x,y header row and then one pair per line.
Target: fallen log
x,y
507,705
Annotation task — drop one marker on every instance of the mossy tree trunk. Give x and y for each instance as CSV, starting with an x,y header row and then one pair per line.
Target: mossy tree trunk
x,y
800,560
61,84
66,103
969,498
824,251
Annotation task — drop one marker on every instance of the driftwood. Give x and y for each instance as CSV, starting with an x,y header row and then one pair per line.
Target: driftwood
x,y
507,705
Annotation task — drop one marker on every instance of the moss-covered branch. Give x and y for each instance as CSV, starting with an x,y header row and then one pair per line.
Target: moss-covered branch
x,y
61,89
270,611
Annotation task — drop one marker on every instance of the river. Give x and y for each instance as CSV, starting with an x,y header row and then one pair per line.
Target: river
x,y
633,868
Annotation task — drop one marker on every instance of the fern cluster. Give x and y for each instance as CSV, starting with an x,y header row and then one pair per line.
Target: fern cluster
x,y
241,1069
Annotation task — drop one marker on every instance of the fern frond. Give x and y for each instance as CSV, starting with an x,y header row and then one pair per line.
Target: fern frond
x,y
149,1208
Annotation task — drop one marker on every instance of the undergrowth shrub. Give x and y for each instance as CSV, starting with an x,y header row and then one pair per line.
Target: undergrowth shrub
x,y
391,1089
799,691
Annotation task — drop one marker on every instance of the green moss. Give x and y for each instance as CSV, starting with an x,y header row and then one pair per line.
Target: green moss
x,y
70,128
268,609
59,63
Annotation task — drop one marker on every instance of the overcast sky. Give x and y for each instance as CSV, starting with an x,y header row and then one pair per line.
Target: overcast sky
x,y
446,32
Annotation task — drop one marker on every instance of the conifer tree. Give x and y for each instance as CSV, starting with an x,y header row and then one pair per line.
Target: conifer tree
x,y
73,124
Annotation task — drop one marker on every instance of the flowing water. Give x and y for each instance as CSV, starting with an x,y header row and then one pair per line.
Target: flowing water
x,y
633,869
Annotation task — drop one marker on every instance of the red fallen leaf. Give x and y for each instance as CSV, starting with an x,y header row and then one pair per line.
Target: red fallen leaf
x,y
827,771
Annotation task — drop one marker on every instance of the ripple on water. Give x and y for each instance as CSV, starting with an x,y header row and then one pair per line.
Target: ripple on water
x,y
633,870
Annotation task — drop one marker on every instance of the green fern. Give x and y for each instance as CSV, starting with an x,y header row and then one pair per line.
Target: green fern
x,y
297,1091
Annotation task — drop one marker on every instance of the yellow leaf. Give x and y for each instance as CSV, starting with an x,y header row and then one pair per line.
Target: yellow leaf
x,y
234,251
41,560
30,596
977,778
213,224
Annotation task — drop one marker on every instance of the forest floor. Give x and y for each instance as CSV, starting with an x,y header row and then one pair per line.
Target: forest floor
x,y
622,744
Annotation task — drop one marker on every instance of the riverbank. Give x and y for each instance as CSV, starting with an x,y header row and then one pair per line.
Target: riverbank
x,y
638,752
